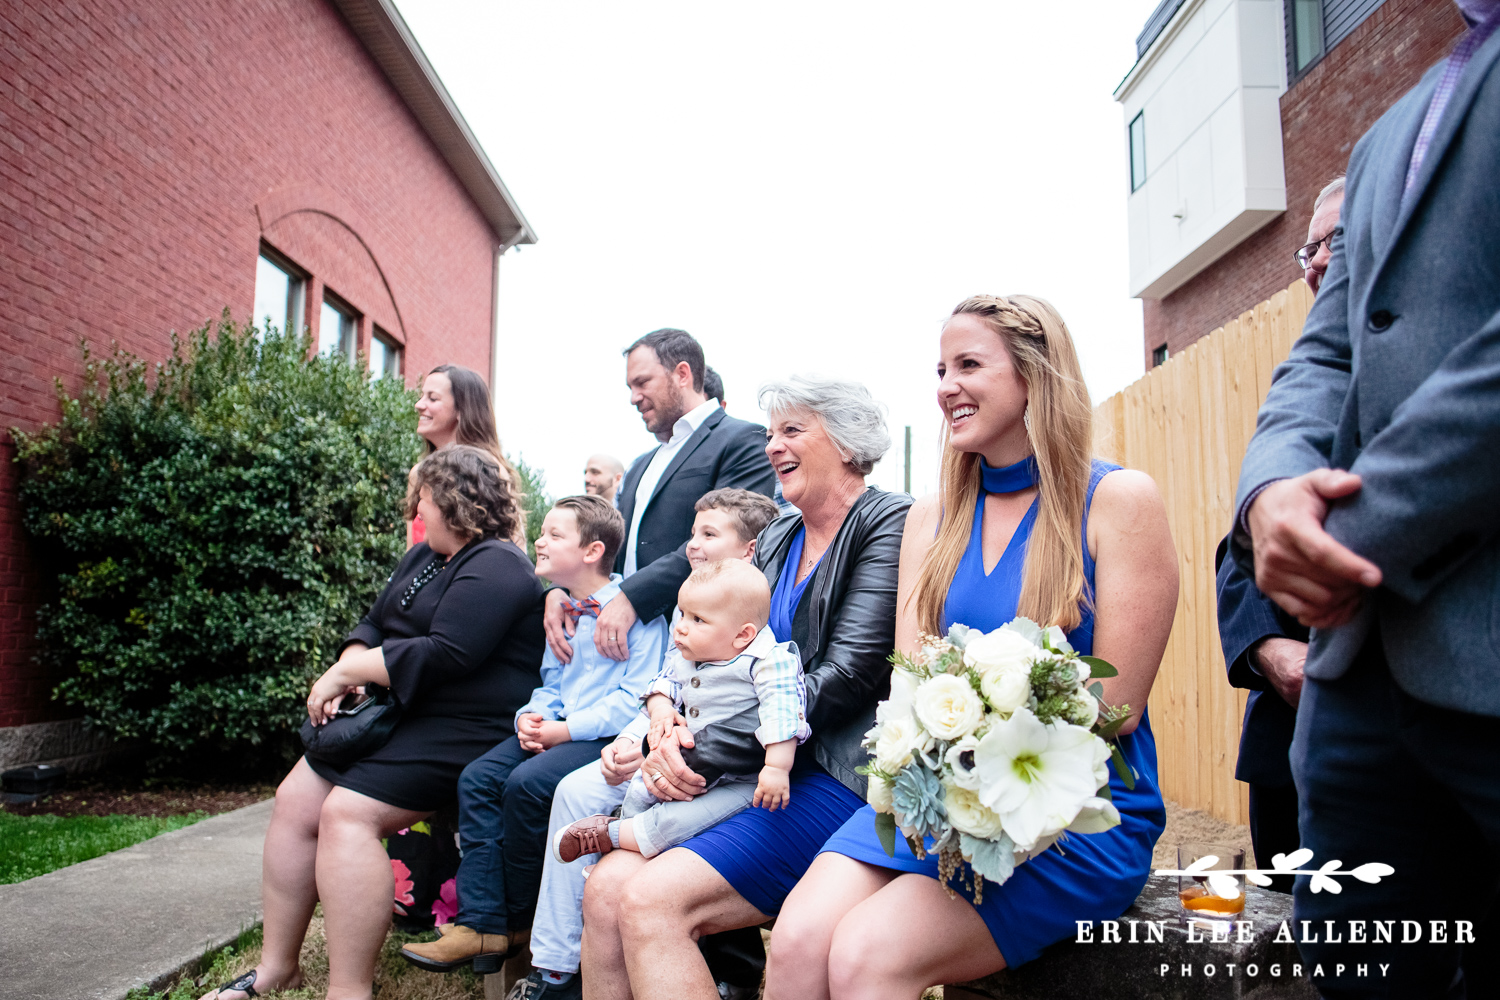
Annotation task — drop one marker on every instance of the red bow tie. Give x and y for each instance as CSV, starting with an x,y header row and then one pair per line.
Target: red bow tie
x,y
577,609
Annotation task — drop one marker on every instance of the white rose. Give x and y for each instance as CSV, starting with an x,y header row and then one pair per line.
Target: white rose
x,y
1084,711
948,707
1006,688
878,794
903,686
968,815
964,775
898,739
1000,648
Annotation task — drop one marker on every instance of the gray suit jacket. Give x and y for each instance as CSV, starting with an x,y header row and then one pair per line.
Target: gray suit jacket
x,y
1397,378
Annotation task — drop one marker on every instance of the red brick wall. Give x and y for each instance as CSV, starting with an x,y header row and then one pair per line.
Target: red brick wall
x,y
1322,117
143,148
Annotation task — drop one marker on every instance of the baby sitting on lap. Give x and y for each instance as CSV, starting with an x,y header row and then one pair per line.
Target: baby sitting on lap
x,y
727,660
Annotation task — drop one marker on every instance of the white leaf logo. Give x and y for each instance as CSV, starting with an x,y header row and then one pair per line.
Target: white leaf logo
x,y
1258,878
1372,872
1290,862
1224,886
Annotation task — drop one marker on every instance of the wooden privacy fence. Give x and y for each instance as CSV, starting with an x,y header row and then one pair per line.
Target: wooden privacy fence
x,y
1186,424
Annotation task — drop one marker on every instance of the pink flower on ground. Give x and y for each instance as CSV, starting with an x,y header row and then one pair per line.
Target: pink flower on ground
x,y
404,886
445,907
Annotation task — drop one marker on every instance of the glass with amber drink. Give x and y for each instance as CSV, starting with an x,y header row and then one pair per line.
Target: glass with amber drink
x,y
1208,890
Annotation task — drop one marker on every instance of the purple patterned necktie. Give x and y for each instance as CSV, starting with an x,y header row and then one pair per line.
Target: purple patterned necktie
x,y
1462,53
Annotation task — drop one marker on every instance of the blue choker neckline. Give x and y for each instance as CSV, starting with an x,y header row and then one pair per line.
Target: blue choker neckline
x,y
1010,479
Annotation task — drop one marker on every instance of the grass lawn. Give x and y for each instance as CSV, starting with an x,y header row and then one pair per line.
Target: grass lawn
x,y
34,845
395,978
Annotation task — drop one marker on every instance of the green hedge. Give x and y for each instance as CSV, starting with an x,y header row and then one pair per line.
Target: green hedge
x,y
218,522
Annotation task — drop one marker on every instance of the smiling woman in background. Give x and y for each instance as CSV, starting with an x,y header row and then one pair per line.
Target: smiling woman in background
x,y
455,408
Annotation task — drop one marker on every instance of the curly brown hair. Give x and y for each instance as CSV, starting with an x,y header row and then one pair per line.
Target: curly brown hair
x,y
469,489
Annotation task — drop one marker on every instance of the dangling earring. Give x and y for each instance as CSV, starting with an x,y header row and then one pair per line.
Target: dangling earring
x,y
1026,419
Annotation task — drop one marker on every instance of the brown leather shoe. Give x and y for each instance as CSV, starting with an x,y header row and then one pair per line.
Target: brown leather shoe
x,y
589,835
458,947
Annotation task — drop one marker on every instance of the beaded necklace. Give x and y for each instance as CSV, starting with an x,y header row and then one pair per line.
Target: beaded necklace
x,y
422,579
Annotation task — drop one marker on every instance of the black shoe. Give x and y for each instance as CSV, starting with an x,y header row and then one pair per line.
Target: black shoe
x,y
728,991
534,987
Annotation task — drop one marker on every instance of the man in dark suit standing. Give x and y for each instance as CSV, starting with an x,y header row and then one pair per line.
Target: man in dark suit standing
x,y
1264,647
702,448
1367,509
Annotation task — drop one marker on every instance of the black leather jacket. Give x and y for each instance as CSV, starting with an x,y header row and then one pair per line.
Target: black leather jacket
x,y
850,613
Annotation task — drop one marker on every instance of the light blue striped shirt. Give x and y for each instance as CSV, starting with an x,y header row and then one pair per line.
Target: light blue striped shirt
x,y
594,695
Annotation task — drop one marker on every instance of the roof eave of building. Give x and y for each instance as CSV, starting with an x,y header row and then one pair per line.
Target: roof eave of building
x,y
384,34
1158,46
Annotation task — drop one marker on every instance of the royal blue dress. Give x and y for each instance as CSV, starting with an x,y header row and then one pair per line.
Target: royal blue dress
x,y
1085,877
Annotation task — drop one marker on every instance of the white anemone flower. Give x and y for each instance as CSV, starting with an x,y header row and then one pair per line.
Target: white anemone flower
x,y
964,775
948,707
1036,777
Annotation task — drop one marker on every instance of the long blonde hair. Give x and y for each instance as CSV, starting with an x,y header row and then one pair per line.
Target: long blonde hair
x,y
1058,426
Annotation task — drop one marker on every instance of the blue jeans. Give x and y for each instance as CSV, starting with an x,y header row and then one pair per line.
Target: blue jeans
x,y
504,799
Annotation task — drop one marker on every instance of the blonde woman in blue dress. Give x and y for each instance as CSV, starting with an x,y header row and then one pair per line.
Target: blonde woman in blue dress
x,y
1025,522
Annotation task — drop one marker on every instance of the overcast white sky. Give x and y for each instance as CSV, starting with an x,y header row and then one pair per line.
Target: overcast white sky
x,y
804,187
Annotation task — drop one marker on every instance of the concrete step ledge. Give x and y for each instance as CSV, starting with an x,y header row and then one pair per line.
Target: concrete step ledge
x,y
136,917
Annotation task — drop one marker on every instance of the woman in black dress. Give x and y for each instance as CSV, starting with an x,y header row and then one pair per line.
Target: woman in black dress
x,y
457,637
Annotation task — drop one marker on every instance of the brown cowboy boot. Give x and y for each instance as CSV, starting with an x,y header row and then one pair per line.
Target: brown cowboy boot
x,y
459,946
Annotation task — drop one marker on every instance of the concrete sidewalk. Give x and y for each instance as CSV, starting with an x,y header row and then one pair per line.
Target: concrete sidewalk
x,y
94,930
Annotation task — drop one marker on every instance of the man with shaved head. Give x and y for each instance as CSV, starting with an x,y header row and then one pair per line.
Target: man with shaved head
x,y
602,475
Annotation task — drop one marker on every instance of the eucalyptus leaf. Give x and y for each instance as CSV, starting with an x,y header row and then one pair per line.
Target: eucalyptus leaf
x,y
885,829
1099,668
1122,768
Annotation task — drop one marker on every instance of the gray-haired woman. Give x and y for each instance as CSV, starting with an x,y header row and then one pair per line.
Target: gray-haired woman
x,y
832,570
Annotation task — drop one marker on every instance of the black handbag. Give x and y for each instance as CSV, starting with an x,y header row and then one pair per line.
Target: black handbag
x,y
354,732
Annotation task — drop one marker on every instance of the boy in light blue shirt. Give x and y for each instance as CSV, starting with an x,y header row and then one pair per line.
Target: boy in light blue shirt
x,y
506,795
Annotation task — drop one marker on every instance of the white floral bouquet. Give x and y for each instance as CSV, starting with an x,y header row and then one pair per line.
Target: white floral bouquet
x,y
993,745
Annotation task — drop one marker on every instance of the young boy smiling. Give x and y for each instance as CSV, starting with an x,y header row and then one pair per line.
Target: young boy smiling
x,y
725,527
506,795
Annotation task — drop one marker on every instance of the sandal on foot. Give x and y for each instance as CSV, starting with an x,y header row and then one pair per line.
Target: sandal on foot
x,y
245,984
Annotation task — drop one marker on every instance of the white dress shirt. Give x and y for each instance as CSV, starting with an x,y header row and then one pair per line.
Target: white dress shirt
x,y
646,488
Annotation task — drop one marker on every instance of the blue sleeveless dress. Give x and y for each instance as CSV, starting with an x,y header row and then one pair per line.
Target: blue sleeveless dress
x,y
1084,877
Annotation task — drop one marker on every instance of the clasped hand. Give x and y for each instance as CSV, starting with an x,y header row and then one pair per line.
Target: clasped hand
x,y
537,734
1298,564
666,775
